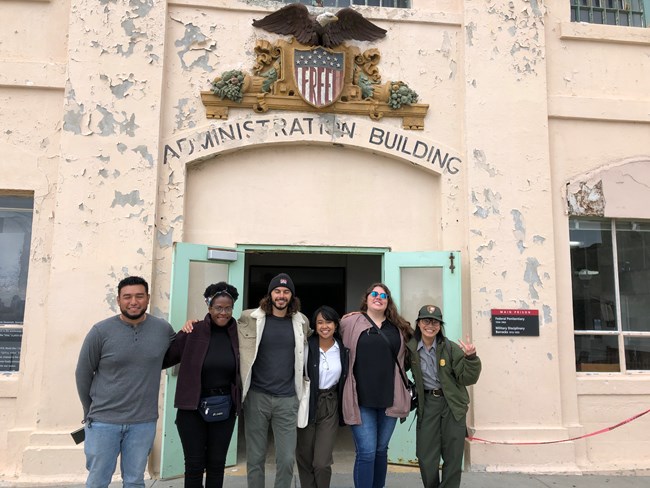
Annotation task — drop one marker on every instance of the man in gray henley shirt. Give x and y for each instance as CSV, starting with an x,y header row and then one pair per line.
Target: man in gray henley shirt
x,y
118,378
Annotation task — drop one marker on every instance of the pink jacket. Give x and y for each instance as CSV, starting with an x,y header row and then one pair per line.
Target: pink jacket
x,y
351,329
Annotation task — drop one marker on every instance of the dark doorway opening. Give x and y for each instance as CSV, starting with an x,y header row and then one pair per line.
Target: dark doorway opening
x,y
335,279
315,286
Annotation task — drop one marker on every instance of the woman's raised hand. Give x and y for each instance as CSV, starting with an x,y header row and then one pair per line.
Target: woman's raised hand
x,y
467,347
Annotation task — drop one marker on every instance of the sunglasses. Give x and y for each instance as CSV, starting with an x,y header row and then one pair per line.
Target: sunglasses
x,y
375,294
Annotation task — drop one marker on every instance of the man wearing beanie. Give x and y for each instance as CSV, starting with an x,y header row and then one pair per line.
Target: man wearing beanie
x,y
271,345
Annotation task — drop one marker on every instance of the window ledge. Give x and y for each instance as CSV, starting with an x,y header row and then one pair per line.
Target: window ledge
x,y
613,383
446,11
582,31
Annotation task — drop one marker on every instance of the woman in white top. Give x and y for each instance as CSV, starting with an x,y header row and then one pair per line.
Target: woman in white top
x,y
327,368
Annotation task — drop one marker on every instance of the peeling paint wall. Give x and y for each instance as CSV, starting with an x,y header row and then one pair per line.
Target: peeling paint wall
x,y
550,119
510,237
95,135
599,128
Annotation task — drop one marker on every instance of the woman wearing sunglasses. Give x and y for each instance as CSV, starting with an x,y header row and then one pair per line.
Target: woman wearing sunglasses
x,y
327,367
208,375
374,396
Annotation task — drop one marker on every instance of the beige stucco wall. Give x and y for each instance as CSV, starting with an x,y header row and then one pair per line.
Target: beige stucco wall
x,y
93,92
599,126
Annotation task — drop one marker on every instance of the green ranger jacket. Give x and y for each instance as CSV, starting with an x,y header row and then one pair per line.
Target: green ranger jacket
x,y
454,374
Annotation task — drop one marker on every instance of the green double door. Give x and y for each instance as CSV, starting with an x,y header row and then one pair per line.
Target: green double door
x,y
415,279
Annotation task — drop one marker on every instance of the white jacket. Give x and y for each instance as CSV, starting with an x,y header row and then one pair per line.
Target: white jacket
x,y
250,327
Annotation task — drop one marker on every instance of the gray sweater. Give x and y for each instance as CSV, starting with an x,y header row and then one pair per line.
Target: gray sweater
x,y
118,372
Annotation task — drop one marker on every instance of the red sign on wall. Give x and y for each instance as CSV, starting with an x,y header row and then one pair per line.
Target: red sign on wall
x,y
515,322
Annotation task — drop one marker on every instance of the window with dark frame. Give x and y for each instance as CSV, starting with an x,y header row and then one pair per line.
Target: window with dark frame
x,y
348,3
630,13
610,274
16,213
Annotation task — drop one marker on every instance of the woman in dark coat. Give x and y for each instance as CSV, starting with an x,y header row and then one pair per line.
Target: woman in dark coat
x,y
209,366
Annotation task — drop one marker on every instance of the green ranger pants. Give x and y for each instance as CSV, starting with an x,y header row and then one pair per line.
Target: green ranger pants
x,y
438,435
260,411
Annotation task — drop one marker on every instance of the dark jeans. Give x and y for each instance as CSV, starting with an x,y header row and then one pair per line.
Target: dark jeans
x,y
205,445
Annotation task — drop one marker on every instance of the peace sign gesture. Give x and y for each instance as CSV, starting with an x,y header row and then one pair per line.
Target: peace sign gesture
x,y
467,347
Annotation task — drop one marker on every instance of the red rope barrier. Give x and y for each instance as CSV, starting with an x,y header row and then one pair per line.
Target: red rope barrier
x,y
591,434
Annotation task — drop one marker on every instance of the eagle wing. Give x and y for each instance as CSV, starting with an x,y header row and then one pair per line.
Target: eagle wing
x,y
293,20
351,25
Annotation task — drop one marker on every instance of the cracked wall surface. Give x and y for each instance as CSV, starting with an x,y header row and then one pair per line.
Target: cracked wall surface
x,y
550,120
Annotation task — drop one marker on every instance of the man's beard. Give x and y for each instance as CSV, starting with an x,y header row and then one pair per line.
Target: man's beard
x,y
282,307
133,317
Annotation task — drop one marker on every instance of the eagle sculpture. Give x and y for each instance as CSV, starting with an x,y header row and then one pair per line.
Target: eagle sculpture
x,y
327,30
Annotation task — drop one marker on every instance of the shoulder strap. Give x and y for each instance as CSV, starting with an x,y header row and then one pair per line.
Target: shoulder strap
x,y
402,374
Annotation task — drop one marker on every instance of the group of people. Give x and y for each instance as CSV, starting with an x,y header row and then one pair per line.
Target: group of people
x,y
256,365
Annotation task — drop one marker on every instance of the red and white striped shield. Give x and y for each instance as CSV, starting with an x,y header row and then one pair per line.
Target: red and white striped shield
x,y
319,75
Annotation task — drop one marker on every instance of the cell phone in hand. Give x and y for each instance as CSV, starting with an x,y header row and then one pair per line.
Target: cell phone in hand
x,y
78,436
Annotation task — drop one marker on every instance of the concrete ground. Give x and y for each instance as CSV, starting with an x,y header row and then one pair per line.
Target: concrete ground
x,y
400,477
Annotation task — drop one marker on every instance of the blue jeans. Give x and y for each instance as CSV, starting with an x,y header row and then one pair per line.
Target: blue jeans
x,y
371,440
105,441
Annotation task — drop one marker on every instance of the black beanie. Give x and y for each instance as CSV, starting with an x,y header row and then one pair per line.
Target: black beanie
x,y
282,279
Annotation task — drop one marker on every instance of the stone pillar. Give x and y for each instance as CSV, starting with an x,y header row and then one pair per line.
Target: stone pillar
x,y
511,237
104,218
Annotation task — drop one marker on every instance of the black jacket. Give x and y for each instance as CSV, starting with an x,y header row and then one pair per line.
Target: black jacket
x,y
190,350
313,364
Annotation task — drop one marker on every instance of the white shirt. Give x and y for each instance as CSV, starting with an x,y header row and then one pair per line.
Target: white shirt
x,y
329,367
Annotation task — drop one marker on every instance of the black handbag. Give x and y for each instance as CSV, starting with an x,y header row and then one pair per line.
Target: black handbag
x,y
408,384
215,408
414,394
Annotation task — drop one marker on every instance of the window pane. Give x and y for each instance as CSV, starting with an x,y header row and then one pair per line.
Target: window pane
x,y
598,17
420,286
346,3
592,275
15,240
633,244
597,353
201,276
637,353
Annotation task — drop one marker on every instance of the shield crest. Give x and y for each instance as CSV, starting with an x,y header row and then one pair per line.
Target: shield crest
x,y
319,74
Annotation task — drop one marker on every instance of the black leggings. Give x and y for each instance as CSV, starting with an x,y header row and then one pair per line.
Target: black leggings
x,y
205,445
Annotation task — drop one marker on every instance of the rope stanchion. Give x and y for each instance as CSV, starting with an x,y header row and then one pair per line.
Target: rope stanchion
x,y
591,434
